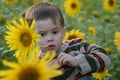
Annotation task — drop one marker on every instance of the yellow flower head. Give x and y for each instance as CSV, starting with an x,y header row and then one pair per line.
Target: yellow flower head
x,y
92,30
100,75
73,34
72,7
31,69
10,1
107,49
21,37
109,5
117,40
36,1
91,41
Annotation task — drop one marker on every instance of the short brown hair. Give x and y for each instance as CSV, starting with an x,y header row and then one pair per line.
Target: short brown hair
x,y
44,10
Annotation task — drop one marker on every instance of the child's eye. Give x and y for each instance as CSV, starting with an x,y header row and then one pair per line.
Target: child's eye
x,y
55,32
42,34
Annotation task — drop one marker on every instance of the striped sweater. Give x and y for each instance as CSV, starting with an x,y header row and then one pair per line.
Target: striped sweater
x,y
91,58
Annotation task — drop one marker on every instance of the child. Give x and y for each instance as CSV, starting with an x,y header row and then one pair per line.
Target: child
x,y
78,59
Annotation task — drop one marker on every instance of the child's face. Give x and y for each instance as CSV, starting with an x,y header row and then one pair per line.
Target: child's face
x,y
51,34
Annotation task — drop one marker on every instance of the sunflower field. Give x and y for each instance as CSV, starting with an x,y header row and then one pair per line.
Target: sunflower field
x,y
96,21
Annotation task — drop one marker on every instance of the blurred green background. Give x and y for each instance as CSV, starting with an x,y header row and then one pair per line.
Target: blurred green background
x,y
91,14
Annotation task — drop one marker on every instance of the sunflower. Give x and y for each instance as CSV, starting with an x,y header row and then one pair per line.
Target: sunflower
x,y
73,34
36,1
100,75
107,49
92,30
21,37
31,69
72,7
117,40
109,5
10,1
91,41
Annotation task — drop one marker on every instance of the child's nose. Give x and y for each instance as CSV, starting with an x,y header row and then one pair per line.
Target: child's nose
x,y
49,38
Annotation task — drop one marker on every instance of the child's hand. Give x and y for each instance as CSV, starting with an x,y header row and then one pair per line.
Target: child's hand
x,y
66,59
55,61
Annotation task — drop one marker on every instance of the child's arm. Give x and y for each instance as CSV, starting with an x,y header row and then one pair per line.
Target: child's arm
x,y
89,57
92,59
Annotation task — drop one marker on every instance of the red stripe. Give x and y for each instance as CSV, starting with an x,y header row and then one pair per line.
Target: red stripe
x,y
102,65
75,41
89,51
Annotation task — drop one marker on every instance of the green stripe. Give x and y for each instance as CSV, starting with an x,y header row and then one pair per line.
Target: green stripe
x,y
101,50
74,47
95,66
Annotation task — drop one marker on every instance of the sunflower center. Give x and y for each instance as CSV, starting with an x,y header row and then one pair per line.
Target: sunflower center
x,y
9,0
111,2
29,73
73,5
71,37
91,31
26,39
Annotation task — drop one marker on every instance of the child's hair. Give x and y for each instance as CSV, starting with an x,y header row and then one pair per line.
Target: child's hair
x,y
44,10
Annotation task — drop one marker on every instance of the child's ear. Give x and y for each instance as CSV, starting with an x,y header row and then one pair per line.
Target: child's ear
x,y
64,30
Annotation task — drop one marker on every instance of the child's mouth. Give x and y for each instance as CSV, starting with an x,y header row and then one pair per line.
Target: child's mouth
x,y
51,47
